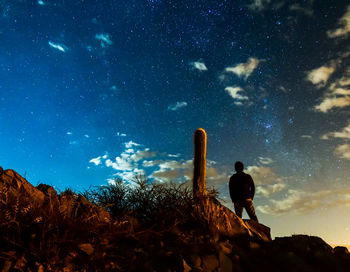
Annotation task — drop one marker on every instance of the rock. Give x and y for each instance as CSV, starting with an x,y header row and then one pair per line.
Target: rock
x,y
225,222
210,263
187,268
48,190
7,265
41,268
225,263
87,248
341,250
253,245
226,247
303,244
13,187
21,264
16,186
259,230
195,261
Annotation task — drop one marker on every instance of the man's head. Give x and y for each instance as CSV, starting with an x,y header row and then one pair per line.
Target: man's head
x,y
239,166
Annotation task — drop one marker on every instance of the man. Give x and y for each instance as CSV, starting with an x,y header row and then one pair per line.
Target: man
x,y
242,190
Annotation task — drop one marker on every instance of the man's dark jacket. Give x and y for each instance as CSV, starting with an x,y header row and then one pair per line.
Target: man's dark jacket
x,y
241,187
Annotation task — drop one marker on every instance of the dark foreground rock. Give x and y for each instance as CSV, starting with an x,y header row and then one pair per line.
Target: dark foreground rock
x,y
41,230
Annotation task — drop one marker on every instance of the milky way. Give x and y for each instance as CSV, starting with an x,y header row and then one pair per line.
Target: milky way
x,y
94,90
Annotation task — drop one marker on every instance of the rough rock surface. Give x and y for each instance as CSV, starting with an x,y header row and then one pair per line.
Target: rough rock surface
x,y
14,186
228,224
225,243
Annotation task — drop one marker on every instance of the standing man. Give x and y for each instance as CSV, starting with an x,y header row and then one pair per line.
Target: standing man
x,y
242,190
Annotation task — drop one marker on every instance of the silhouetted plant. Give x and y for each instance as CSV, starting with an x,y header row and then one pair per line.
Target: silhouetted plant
x,y
161,203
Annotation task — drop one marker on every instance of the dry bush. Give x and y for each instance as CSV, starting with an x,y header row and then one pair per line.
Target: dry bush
x,y
149,203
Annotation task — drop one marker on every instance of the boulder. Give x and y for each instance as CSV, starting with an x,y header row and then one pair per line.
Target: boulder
x,y
13,186
341,250
226,223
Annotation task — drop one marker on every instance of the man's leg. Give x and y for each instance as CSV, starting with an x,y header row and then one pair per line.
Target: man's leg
x,y
238,208
249,206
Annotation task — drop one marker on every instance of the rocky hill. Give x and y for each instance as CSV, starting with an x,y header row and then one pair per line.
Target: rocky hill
x,y
150,228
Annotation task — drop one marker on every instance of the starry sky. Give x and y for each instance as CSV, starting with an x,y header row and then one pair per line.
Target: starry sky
x,y
95,90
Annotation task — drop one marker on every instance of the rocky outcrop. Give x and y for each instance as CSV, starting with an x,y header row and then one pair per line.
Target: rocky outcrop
x,y
226,223
13,186
80,238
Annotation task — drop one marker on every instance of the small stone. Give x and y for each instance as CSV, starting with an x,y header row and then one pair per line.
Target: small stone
x,y
87,248
187,268
41,268
254,245
195,260
225,263
341,250
7,265
226,248
210,263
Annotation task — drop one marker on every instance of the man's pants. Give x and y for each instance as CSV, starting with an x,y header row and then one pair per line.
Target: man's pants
x,y
249,207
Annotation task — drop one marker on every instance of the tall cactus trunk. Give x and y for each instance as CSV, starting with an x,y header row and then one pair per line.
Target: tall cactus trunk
x,y
200,150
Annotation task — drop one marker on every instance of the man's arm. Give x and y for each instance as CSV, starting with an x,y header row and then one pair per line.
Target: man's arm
x,y
252,187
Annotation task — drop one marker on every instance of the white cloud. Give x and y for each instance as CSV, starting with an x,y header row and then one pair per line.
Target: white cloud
x,y
306,10
344,28
149,163
265,160
69,133
259,5
41,2
130,144
343,151
267,190
122,163
320,76
299,201
344,134
177,106
266,180
244,69
96,161
58,46
344,81
121,134
337,94
172,170
329,103
199,65
142,154
236,94
263,175
104,39
166,175
306,136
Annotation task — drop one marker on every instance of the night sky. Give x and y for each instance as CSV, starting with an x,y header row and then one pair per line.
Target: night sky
x,y
94,90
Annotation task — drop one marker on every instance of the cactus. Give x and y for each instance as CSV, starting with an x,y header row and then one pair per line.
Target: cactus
x,y
200,149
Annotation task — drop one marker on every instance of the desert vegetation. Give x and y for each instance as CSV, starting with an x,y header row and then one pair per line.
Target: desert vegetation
x,y
148,226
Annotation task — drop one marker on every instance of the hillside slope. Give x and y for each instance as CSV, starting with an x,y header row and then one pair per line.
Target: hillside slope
x,y
148,228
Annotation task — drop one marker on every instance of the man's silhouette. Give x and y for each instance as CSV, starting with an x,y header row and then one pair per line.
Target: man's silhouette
x,y
242,190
